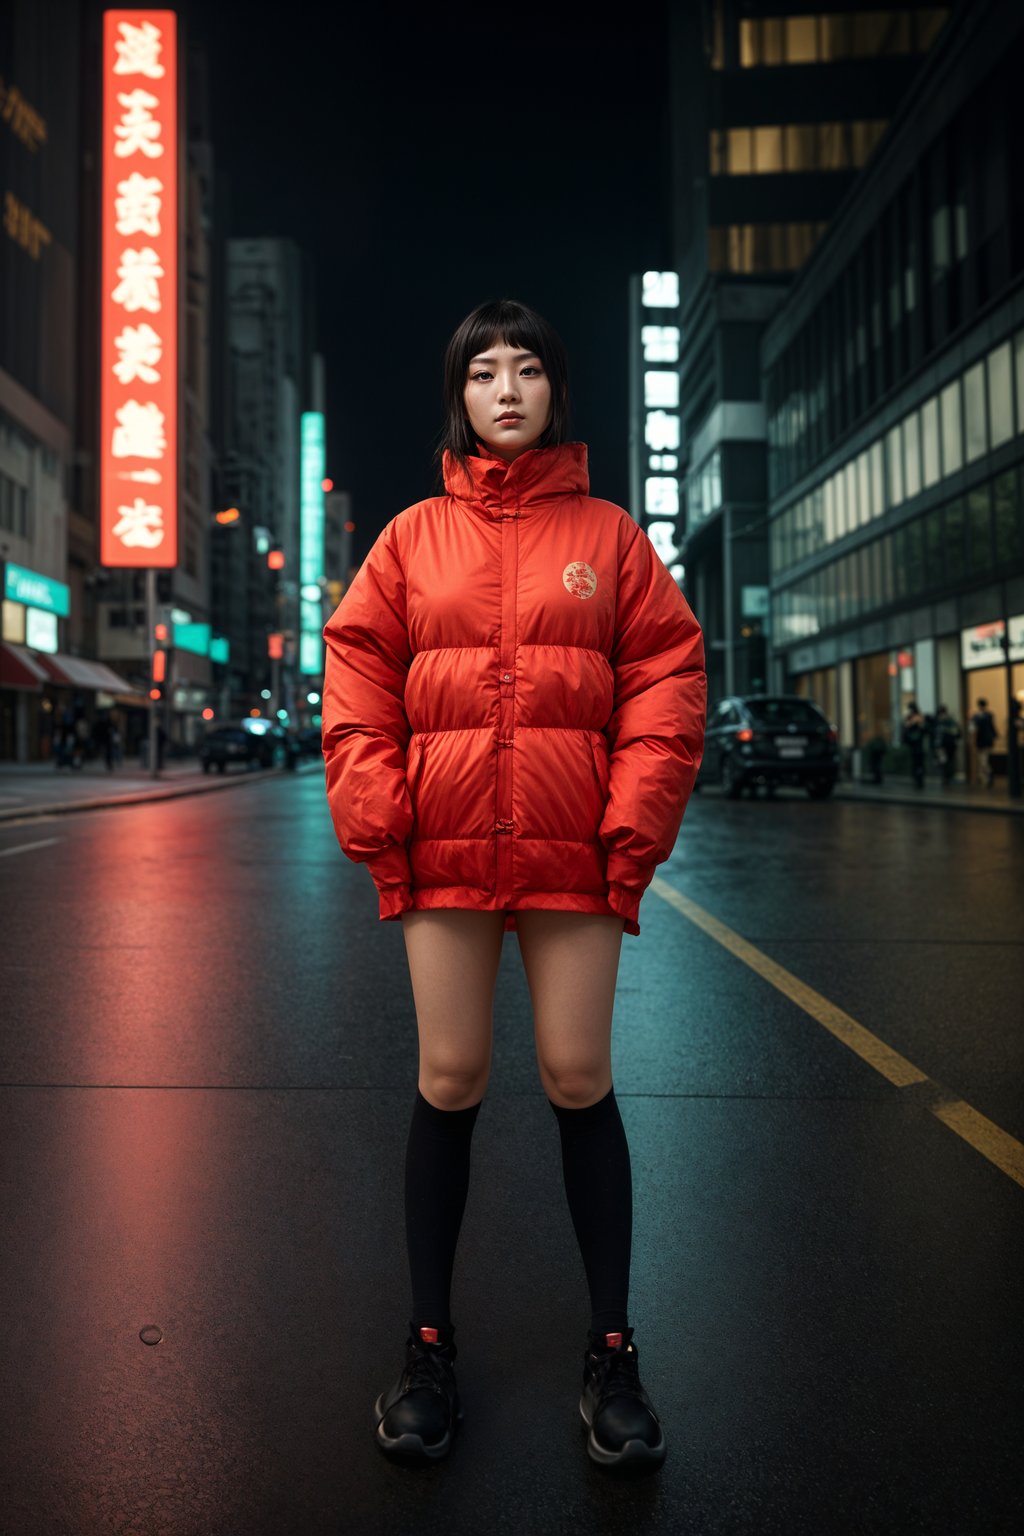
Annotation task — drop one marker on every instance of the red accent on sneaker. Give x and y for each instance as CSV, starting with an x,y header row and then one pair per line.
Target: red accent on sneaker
x,y
613,1340
428,1335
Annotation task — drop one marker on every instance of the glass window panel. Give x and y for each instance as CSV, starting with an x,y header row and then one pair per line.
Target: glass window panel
x,y
840,480
913,553
930,440
975,436
801,39
952,448
979,530
864,488
1000,395
885,554
830,509
661,343
850,474
768,149
1009,518
899,563
878,477
801,146
772,40
1018,357
911,456
741,151
894,454
818,517
953,522
933,548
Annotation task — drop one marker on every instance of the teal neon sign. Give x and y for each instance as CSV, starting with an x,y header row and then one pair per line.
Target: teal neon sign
x,y
36,591
311,541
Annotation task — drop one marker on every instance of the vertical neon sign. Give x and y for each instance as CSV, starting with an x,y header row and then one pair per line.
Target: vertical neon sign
x,y
311,544
139,277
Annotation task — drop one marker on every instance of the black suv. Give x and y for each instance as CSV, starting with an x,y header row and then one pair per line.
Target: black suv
x,y
240,743
770,739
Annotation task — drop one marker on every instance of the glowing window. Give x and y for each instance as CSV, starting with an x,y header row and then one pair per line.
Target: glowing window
x,y
661,431
661,495
661,290
661,388
661,343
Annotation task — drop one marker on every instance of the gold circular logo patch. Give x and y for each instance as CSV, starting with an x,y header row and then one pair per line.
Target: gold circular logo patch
x,y
580,579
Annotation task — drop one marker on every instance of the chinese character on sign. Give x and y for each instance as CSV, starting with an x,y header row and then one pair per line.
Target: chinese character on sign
x,y
140,433
140,348
138,288
138,49
141,524
138,130
138,206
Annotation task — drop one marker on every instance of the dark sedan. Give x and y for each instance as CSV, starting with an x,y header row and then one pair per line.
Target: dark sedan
x,y
770,739
252,745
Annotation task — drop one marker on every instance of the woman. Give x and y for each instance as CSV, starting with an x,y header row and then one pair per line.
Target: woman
x,y
513,719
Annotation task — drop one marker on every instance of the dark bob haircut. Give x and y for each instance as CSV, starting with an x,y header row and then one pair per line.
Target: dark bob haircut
x,y
501,320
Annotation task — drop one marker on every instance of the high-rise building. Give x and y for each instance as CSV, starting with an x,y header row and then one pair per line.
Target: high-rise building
x,y
773,117
894,376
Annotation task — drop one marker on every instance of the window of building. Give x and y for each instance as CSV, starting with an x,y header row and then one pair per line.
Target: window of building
x,y
1018,358
886,584
841,523
913,554
863,489
894,455
933,548
930,441
952,445
852,516
975,435
878,477
979,530
1009,518
1000,395
911,455
953,523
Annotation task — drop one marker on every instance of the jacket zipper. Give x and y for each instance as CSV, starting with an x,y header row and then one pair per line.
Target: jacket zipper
x,y
504,827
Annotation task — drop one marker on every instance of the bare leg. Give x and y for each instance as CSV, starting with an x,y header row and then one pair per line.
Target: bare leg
x,y
453,963
571,961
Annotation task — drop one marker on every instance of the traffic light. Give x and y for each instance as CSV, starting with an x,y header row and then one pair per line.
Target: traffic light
x,y
227,516
275,558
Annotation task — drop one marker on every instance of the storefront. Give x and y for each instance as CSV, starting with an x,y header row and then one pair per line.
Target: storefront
x,y
992,671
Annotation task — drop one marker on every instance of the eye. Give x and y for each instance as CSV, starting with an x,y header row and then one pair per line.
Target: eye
x,y
482,374
530,368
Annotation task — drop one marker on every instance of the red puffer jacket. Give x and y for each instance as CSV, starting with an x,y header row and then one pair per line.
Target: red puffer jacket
x,y
514,698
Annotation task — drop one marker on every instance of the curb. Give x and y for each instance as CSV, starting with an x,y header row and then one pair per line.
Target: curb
x,y
929,804
141,797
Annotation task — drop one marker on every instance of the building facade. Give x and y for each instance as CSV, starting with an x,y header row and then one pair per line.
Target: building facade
x,y
773,117
894,382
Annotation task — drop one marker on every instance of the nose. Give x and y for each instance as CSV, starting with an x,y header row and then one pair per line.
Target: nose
x,y
508,390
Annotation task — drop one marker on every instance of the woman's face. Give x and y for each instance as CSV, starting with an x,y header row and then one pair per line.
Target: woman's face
x,y
508,399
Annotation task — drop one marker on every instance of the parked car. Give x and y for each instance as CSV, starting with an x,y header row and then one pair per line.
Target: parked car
x,y
252,743
770,739
310,741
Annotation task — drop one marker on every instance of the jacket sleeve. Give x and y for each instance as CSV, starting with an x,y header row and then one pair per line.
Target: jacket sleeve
x,y
365,729
656,729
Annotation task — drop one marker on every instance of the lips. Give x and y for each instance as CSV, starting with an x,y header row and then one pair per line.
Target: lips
x,y
510,416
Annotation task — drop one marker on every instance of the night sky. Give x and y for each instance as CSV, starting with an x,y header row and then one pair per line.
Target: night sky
x,y
430,159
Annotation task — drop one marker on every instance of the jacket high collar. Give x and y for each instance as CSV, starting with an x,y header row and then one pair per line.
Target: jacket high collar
x,y
533,480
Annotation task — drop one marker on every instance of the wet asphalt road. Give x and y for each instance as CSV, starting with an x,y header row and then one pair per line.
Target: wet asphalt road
x,y
207,1063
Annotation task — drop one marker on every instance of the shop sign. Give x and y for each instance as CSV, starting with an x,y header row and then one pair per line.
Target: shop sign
x,y
36,591
139,286
193,637
13,622
983,645
41,631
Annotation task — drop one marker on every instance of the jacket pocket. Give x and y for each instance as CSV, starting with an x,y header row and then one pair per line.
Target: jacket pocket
x,y
602,768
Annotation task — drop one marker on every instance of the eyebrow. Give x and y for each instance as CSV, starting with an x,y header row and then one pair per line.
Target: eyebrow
x,y
518,358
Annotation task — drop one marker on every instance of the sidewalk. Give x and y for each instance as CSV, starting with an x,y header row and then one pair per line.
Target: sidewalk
x,y
960,797
29,790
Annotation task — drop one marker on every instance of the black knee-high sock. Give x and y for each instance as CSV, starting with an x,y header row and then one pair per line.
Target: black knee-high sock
x,y
599,1189
436,1185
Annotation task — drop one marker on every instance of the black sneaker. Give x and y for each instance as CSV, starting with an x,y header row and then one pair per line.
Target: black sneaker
x,y
416,1419
625,1431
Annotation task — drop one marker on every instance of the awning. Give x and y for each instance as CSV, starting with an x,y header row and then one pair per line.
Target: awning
x,y
76,672
19,668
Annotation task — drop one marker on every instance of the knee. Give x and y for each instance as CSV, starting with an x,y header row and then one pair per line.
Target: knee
x,y
576,1087
454,1089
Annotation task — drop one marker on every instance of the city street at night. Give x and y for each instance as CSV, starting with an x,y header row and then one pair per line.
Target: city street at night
x,y
208,1060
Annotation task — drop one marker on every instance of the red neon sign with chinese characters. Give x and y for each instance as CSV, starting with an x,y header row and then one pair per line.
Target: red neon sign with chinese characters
x,y
139,266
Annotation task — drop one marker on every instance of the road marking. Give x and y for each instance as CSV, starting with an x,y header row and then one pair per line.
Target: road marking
x,y
24,847
1001,1149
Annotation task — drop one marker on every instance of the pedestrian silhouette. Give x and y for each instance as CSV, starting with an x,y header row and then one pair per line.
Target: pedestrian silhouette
x,y
915,738
946,736
983,730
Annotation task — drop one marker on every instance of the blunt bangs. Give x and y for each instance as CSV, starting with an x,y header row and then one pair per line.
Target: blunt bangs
x,y
516,325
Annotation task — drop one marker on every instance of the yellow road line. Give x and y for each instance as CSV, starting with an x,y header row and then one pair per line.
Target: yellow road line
x,y
995,1144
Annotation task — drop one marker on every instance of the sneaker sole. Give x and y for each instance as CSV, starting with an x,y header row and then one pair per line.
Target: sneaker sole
x,y
635,1454
409,1446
